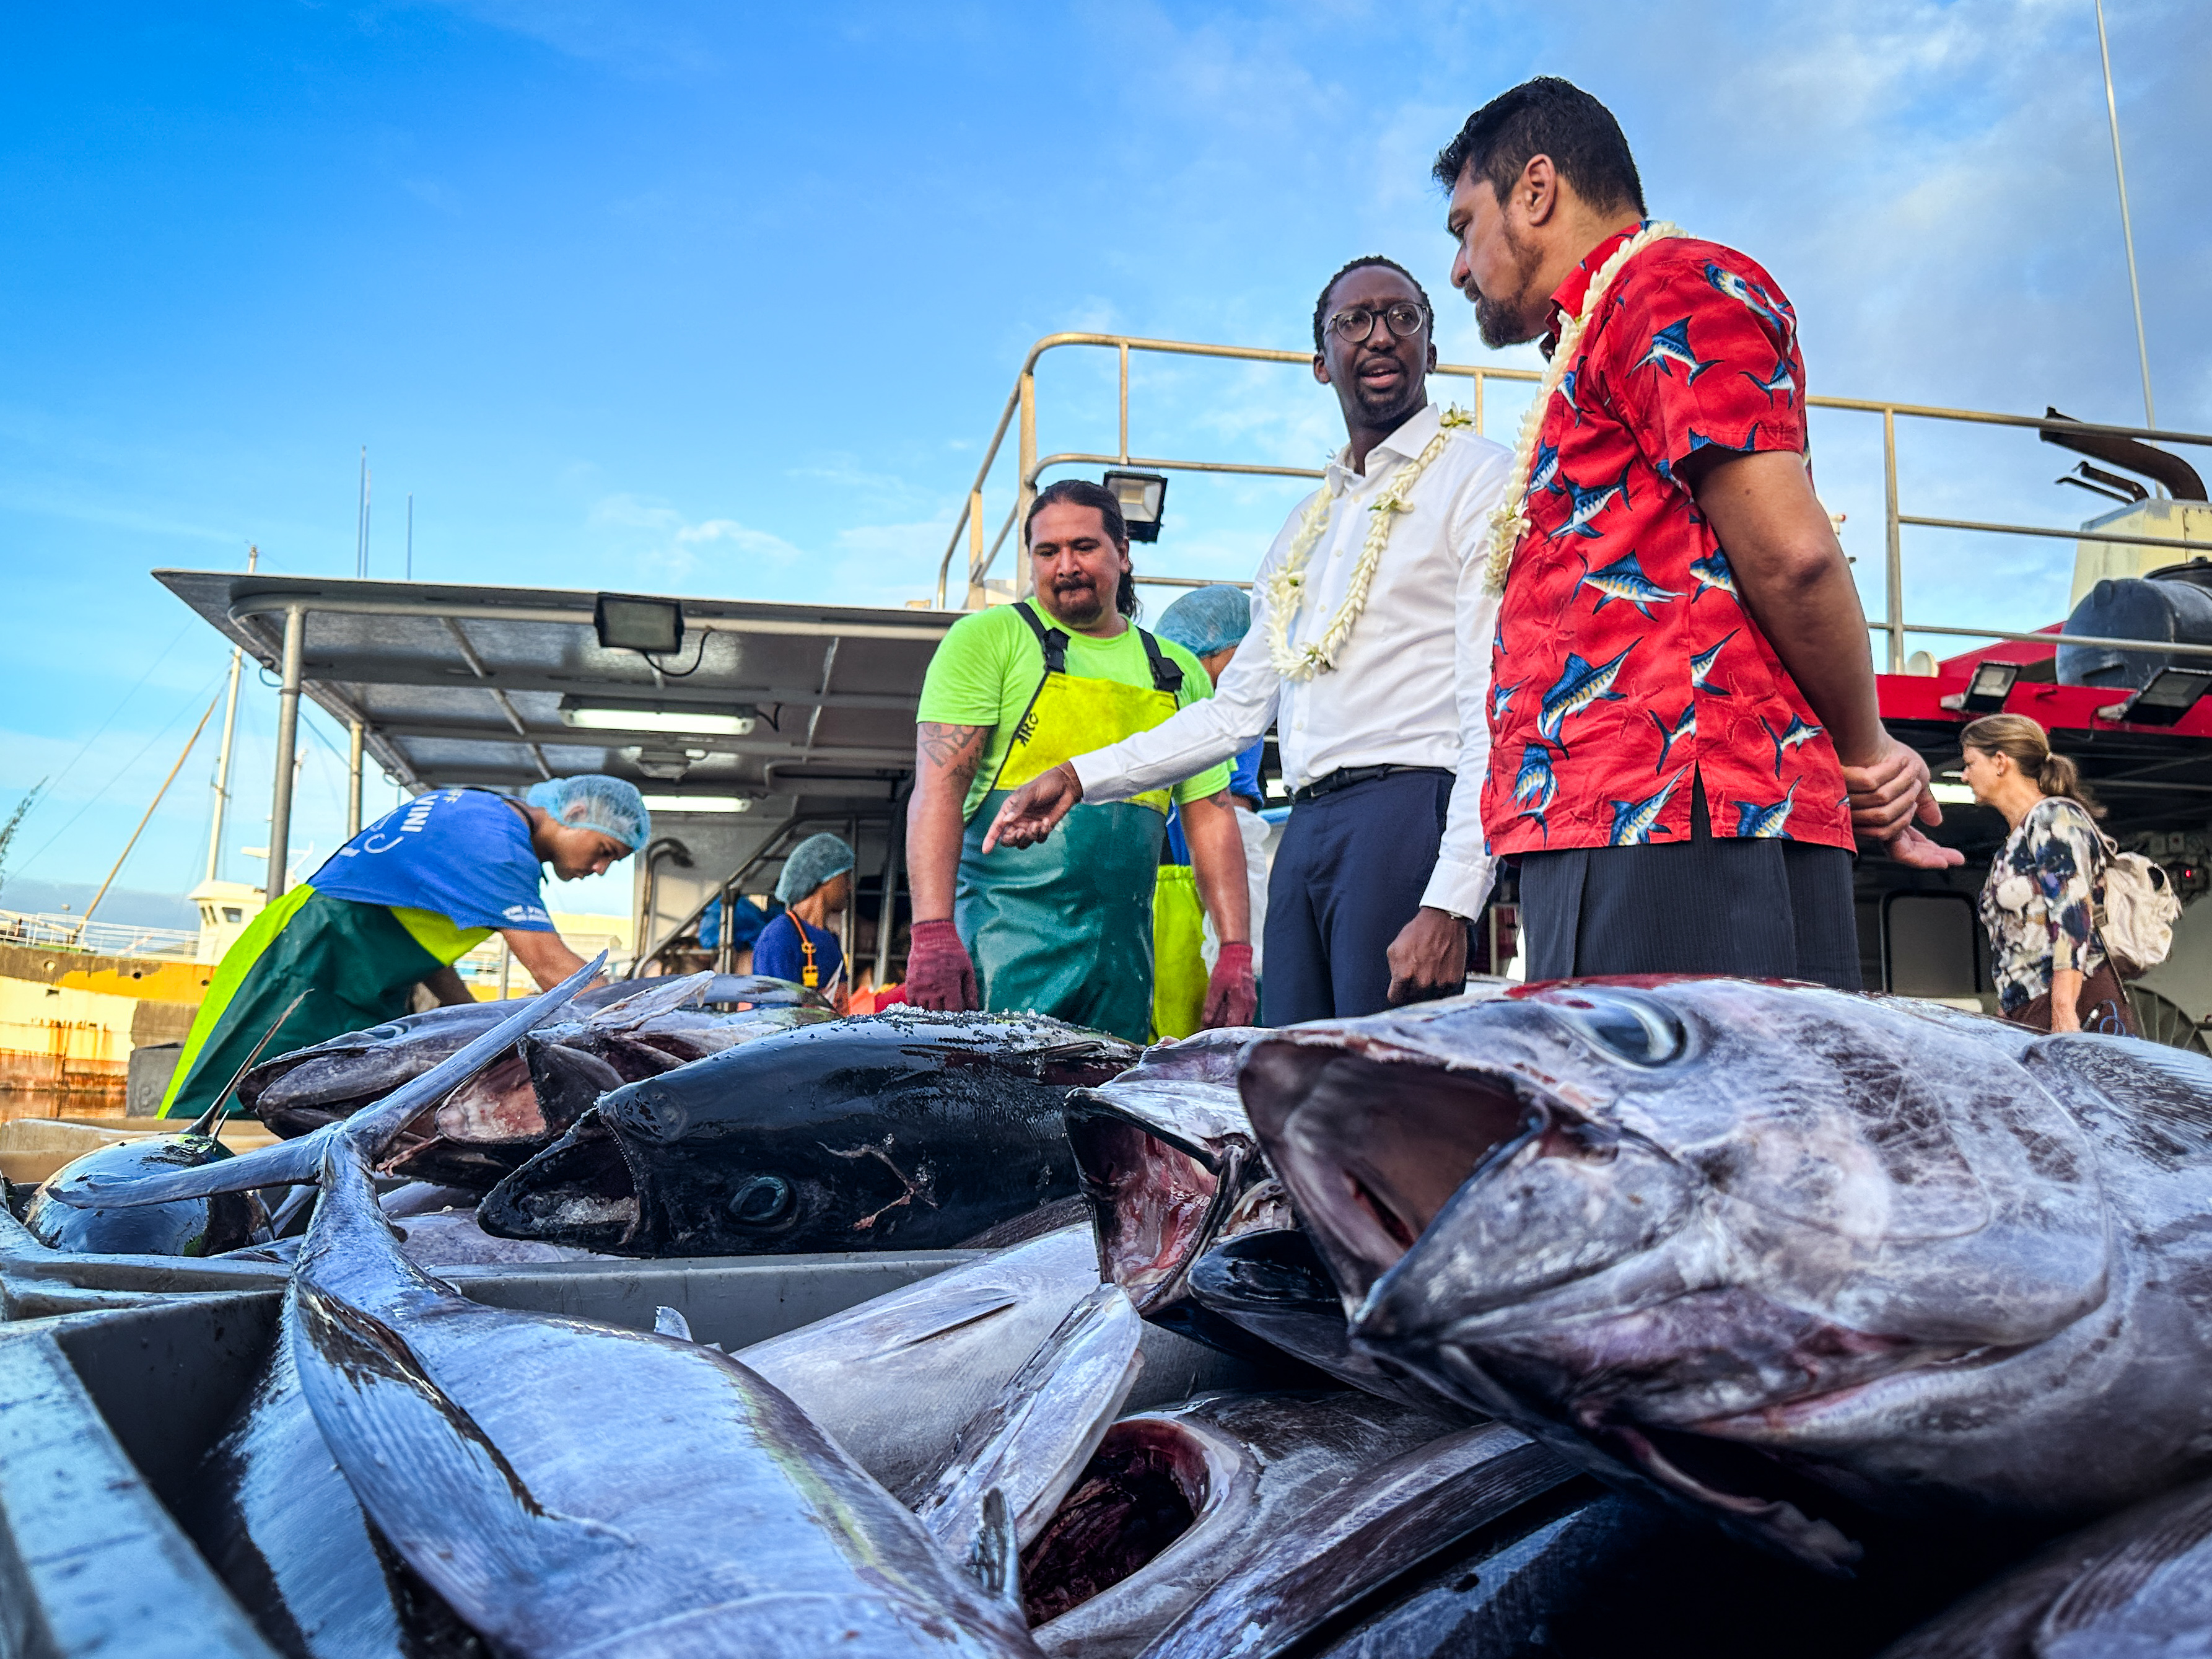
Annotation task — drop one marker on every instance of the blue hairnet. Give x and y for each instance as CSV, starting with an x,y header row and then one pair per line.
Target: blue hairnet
x,y
593,800
1207,619
812,862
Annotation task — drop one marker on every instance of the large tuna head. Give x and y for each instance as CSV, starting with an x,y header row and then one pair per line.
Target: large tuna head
x,y
1779,1252
910,1129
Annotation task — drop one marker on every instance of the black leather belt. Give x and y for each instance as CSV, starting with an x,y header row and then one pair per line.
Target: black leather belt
x,y
1345,776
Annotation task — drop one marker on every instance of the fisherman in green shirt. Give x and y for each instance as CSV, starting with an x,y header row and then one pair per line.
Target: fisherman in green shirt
x,y
1063,928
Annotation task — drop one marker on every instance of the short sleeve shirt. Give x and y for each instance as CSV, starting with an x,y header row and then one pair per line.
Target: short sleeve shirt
x,y
989,665
2040,903
461,853
1625,667
777,951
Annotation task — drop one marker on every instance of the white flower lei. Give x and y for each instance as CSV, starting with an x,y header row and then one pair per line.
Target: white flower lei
x,y
1509,518
1285,587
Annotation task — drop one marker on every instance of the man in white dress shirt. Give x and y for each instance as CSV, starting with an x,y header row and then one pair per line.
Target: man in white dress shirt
x,y
1382,865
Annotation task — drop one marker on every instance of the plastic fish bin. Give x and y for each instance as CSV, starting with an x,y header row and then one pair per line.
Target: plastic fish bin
x,y
36,1282
106,1415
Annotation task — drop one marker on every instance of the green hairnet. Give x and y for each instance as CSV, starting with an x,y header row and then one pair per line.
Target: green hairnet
x,y
1207,619
812,862
591,800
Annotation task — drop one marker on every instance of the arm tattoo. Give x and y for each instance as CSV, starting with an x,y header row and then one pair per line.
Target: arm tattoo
x,y
954,749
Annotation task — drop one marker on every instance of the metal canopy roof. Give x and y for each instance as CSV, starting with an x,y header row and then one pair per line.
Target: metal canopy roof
x,y
455,684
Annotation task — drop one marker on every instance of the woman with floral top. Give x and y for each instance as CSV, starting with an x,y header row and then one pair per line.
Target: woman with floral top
x,y
2040,903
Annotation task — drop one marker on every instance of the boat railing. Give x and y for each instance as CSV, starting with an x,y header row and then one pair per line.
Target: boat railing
x,y
1020,414
49,931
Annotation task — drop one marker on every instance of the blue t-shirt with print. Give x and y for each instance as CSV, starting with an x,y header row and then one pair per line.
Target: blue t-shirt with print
x,y
461,853
776,952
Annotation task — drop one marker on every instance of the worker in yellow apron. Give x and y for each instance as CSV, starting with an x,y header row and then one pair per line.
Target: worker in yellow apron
x,y
1064,928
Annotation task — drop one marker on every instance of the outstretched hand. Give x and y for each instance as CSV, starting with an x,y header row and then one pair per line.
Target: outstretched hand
x,y
1890,797
1027,816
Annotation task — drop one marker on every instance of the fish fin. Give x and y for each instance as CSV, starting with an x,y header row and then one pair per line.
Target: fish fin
x,y
995,1560
1031,1441
298,1162
666,1321
660,996
206,1124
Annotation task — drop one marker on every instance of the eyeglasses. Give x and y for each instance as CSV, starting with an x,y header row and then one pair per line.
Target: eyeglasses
x,y
1355,323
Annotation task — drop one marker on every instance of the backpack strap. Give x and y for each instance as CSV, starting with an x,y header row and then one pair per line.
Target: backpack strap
x,y
1052,640
1166,677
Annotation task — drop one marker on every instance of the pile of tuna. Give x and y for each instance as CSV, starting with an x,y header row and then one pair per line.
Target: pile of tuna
x,y
1576,1319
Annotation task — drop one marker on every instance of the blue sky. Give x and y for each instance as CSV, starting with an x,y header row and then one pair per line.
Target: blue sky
x,y
714,299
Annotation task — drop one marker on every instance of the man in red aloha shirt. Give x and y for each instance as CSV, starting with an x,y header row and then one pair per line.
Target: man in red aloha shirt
x,y
1684,736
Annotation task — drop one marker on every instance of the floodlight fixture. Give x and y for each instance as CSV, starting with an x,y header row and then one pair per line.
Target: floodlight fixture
x,y
658,804
1142,497
2172,693
643,714
1990,685
632,622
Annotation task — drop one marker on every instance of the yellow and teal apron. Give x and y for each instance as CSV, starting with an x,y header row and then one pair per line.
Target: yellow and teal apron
x,y
1179,975
1064,928
358,963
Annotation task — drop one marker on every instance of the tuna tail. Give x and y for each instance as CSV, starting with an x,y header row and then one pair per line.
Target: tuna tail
x,y
298,1162
659,997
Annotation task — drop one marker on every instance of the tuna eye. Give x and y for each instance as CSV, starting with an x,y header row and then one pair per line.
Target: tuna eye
x,y
1628,1028
760,1199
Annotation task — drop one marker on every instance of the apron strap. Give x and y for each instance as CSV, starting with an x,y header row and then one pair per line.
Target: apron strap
x,y
1166,677
1053,642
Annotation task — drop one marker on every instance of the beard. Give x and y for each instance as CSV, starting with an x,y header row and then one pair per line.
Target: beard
x,y
1510,318
1078,603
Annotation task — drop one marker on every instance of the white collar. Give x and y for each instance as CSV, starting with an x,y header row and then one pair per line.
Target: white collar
x,y
1406,442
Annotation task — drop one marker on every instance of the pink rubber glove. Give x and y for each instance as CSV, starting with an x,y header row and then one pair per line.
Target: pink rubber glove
x,y
939,974
1232,997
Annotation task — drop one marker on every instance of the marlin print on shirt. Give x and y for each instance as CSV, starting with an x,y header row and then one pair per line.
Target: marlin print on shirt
x,y
1797,734
1701,666
1684,726
1781,380
1588,504
1669,346
1751,297
1535,786
1501,699
1712,571
1545,474
1579,686
1624,579
1567,394
1635,821
1755,822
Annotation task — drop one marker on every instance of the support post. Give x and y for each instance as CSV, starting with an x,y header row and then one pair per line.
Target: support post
x,y
1124,451
1026,467
887,912
287,744
1894,570
353,782
974,536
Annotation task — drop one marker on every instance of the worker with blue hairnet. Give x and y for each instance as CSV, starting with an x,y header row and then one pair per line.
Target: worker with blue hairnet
x,y
1208,623
800,944
395,908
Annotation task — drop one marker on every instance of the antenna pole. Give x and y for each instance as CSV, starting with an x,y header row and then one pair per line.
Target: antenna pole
x,y
2127,226
151,807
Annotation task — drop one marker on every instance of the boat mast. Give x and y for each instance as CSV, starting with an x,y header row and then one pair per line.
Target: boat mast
x,y
222,754
2127,226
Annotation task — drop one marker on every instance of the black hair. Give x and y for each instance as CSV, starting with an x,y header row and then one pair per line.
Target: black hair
x,y
1081,492
1545,117
1320,305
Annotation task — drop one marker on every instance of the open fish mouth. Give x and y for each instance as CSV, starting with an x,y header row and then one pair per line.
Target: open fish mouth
x,y
579,1191
1146,1486
1371,1149
1158,1201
